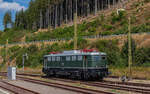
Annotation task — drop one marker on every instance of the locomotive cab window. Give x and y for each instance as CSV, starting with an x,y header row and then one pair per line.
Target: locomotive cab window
x,y
67,58
53,58
57,58
80,58
73,58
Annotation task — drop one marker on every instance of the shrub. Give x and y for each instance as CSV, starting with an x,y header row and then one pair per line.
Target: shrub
x,y
141,28
122,30
92,29
107,27
133,19
32,49
124,51
124,22
14,48
106,33
146,1
122,15
115,17
142,56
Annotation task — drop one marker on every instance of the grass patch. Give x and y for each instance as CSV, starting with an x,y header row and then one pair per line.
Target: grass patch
x,y
137,72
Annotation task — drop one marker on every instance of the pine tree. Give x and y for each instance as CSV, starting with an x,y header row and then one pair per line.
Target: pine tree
x,y
7,21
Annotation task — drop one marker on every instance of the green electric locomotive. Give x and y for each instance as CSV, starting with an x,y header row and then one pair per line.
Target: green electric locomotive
x,y
80,64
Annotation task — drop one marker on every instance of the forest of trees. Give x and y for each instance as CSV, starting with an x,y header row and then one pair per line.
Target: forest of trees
x,y
52,13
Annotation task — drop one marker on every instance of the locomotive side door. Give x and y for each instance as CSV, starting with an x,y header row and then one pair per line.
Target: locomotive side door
x,y
62,63
85,63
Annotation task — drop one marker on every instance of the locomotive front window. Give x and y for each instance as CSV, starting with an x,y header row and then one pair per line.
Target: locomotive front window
x,y
49,58
96,58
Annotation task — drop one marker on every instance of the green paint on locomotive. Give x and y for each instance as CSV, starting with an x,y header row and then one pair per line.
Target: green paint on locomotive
x,y
75,61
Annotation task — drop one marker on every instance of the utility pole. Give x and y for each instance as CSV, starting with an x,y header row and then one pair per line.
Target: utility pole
x,y
23,60
6,50
75,28
129,50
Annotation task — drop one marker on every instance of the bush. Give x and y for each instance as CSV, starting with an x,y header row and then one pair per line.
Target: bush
x,y
32,49
141,28
122,30
116,18
124,22
14,48
122,15
107,27
133,19
106,33
142,56
92,29
146,1
124,51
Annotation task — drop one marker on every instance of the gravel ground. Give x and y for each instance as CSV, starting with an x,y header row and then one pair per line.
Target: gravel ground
x,y
40,88
4,91
85,86
133,80
141,81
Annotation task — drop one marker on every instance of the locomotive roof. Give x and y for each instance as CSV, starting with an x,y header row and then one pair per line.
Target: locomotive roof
x,y
76,52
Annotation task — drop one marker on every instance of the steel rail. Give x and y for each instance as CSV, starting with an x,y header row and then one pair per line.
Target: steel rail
x,y
127,83
65,87
109,85
106,81
15,89
119,87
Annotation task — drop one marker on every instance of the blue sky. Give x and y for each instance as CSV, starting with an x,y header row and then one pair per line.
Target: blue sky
x,y
13,5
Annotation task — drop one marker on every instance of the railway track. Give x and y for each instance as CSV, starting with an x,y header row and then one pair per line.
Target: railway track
x,y
126,86
65,87
37,75
128,83
15,89
136,78
132,87
61,86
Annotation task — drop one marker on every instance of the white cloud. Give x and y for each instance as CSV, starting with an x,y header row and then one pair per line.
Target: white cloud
x,y
10,6
1,1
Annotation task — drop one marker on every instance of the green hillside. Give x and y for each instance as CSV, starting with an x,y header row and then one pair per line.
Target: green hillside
x,y
106,22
